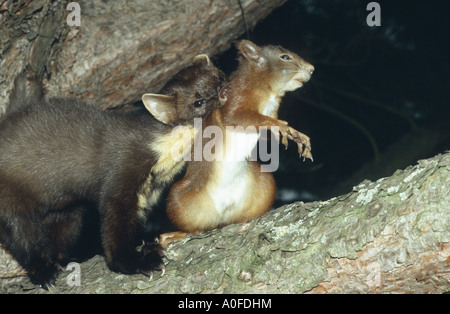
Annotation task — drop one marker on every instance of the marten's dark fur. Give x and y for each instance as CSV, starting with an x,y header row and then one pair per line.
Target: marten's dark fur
x,y
59,157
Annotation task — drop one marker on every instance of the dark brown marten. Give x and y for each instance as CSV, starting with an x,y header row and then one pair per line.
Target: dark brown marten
x,y
58,156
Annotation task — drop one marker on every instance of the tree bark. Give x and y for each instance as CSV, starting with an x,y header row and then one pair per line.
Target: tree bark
x,y
388,236
121,50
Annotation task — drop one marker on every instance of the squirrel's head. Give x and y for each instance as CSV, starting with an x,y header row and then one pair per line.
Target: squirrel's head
x,y
283,69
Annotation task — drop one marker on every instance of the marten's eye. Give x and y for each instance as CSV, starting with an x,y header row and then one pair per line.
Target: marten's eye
x,y
285,57
199,103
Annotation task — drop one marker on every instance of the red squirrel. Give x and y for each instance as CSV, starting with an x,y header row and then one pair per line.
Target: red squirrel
x,y
61,157
220,192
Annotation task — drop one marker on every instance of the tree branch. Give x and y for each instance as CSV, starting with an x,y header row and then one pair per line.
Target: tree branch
x,y
391,235
120,51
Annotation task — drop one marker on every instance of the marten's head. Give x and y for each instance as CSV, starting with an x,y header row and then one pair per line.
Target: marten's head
x,y
282,69
192,93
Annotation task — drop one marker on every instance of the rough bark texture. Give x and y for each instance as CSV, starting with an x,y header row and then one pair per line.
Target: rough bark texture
x,y
122,48
388,236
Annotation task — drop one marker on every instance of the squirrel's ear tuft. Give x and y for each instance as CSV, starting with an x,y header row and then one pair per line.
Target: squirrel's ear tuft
x,y
251,52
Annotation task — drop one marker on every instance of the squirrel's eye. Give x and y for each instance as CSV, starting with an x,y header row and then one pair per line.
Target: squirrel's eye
x,y
285,57
199,103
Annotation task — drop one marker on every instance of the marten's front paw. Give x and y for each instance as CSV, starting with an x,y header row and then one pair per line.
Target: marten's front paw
x,y
43,273
143,259
224,94
150,259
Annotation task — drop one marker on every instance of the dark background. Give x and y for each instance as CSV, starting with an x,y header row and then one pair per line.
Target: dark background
x,y
378,99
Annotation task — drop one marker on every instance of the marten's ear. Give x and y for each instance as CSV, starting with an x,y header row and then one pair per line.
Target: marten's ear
x,y
202,59
162,107
251,52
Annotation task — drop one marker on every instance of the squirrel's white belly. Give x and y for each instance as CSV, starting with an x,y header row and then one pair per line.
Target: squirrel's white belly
x,y
231,185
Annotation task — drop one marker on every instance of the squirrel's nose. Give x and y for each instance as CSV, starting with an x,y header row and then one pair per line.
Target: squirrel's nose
x,y
310,68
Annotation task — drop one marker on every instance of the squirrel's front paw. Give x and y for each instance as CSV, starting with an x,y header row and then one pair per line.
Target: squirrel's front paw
x,y
303,143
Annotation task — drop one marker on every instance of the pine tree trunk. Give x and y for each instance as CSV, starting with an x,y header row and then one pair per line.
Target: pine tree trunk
x,y
388,236
121,50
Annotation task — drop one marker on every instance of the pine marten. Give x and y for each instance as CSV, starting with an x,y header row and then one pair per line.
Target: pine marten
x,y
57,156
233,190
